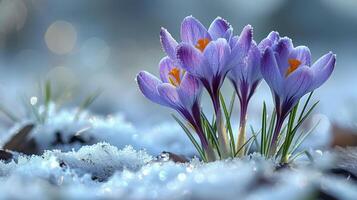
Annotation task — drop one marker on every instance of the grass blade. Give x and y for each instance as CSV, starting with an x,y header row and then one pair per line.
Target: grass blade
x,y
48,93
87,102
263,141
190,136
305,105
244,145
302,138
270,131
228,124
305,116
210,133
231,104
8,114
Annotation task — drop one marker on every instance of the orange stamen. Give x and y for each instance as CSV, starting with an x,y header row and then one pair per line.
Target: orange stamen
x,y
293,65
202,43
174,76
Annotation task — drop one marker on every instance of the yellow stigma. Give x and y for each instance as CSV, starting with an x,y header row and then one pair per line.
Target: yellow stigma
x,y
202,43
293,65
175,76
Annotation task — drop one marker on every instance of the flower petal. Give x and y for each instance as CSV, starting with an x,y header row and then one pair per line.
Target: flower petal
x,y
246,38
190,59
192,30
322,69
283,49
253,64
169,94
166,65
218,28
246,76
240,51
217,54
190,85
189,90
168,43
298,83
148,85
269,41
228,35
233,42
270,71
301,53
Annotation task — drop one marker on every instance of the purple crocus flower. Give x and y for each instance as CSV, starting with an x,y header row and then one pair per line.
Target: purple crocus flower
x,y
179,91
290,75
209,55
194,33
245,77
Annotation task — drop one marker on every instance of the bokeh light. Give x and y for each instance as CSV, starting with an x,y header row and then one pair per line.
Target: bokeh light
x,y
61,37
13,14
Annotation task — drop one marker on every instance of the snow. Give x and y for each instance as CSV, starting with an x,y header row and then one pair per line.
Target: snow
x,y
104,171
60,128
116,160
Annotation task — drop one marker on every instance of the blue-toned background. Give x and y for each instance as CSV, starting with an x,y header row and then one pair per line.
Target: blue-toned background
x,y
84,45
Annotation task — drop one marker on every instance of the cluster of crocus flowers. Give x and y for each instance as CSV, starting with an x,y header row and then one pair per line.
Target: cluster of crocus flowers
x,y
205,57
290,75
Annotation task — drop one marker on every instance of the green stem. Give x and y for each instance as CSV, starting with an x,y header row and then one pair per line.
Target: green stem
x,y
241,138
241,135
222,134
274,141
210,155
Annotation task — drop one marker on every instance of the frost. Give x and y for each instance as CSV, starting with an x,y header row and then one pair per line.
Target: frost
x,y
98,162
101,160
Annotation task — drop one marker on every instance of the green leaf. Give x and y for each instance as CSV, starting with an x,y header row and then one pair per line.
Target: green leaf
x,y
305,116
289,134
7,113
228,124
210,133
263,141
231,104
254,135
48,93
308,155
87,102
36,113
270,132
302,138
247,142
305,105
190,136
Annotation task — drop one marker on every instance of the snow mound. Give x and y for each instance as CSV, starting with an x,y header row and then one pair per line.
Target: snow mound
x,y
62,130
105,172
101,160
98,162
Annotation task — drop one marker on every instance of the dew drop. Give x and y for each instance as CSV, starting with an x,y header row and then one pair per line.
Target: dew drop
x,y
33,100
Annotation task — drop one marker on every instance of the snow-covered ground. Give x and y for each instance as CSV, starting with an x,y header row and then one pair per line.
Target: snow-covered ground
x,y
60,127
111,158
104,171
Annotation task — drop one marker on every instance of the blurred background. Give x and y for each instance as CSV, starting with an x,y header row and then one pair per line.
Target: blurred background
x,y
85,45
